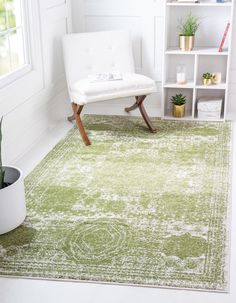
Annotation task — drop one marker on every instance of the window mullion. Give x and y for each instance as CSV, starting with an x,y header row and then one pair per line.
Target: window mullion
x,y
9,48
6,14
8,35
23,17
25,30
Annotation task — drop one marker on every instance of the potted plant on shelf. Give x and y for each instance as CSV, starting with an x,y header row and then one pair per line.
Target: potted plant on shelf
x,y
207,78
178,101
12,195
187,30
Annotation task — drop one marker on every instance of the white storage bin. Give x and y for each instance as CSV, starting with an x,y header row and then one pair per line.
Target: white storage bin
x,y
209,108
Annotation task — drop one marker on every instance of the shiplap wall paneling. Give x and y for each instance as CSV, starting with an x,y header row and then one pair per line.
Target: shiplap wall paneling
x,y
56,22
26,123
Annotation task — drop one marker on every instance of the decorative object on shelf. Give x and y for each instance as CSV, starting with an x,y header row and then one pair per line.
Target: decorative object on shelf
x,y
188,29
209,108
224,37
217,78
181,74
12,196
220,1
207,78
179,101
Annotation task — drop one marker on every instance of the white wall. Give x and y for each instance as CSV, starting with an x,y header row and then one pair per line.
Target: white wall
x,y
36,106
145,20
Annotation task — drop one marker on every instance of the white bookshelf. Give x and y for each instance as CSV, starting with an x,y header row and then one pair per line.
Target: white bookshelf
x,y
203,58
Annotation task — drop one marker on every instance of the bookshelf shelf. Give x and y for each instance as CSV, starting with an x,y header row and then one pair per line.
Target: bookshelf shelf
x,y
170,117
227,4
222,86
213,51
205,57
173,84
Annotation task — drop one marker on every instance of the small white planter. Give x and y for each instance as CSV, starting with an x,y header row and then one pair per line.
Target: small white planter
x,y
12,200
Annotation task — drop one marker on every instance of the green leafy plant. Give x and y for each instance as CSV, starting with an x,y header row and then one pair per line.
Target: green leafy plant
x,y
207,76
178,99
2,172
189,26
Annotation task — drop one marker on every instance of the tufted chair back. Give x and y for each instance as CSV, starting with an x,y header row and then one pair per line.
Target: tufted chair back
x,y
90,53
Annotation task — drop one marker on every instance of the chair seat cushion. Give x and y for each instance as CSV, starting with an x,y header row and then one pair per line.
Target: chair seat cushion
x,y
84,91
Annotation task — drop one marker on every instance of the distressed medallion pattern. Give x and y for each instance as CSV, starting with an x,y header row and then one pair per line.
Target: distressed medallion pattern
x,y
133,208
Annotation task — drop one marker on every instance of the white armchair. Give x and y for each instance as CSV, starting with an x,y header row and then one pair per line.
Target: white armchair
x,y
89,54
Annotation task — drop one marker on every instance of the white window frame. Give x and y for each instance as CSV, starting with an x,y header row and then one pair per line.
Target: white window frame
x,y
22,84
22,70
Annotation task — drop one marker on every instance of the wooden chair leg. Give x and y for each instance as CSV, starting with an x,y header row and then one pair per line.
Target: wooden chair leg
x,y
133,107
77,111
71,118
139,104
146,118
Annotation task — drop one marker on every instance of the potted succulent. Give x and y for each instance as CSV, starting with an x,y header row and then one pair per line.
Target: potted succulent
x,y
178,101
12,196
207,78
187,31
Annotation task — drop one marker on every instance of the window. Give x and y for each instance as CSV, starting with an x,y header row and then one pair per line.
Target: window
x,y
24,76
13,51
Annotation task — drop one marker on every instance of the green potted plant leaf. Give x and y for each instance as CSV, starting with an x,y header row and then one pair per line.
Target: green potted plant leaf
x,y
178,101
187,30
12,195
207,78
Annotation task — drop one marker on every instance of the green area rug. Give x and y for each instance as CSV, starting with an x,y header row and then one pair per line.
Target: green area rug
x,y
133,208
